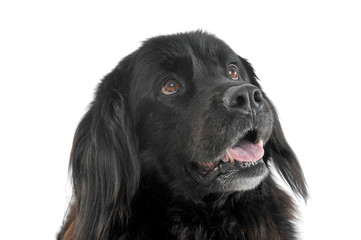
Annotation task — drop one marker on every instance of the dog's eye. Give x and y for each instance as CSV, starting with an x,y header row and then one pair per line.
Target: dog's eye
x,y
170,86
233,72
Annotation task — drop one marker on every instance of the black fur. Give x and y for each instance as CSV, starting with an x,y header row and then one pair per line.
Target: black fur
x,y
138,154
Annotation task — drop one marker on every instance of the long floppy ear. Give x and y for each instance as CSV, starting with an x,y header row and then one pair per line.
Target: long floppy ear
x,y
104,162
285,159
281,153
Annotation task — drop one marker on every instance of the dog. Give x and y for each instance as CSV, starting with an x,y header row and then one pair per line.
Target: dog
x,y
178,143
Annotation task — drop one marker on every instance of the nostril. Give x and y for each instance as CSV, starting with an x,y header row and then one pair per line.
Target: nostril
x,y
241,101
257,96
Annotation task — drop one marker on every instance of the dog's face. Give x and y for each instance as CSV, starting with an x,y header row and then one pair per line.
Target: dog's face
x,y
184,114
201,118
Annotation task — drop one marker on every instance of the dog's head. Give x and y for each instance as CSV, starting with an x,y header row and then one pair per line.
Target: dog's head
x,y
186,110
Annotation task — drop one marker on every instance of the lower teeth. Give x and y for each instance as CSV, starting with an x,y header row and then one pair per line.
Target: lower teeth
x,y
248,164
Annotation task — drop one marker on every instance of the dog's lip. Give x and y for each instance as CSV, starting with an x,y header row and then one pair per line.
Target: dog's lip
x,y
206,171
224,169
232,155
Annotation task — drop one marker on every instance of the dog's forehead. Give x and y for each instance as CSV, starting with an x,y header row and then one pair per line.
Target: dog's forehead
x,y
194,47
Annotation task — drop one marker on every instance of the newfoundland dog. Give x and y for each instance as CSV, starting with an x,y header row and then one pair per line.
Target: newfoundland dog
x,y
178,144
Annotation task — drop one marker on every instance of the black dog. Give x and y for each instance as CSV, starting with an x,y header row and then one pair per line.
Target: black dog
x,y
177,145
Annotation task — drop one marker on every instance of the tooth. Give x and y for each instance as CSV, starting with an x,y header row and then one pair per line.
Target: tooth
x,y
231,159
261,142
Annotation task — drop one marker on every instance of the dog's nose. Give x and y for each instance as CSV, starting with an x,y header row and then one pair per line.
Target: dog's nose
x,y
245,97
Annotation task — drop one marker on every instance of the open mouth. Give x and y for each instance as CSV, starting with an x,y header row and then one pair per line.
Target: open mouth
x,y
244,155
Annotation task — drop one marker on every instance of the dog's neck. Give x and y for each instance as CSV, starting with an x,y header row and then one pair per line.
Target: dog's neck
x,y
255,214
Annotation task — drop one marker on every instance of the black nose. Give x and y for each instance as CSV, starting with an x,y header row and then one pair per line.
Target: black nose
x,y
246,98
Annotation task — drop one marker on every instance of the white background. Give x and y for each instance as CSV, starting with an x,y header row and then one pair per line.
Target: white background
x,y
53,53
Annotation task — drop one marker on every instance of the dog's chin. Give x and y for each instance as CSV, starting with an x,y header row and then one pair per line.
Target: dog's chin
x,y
229,177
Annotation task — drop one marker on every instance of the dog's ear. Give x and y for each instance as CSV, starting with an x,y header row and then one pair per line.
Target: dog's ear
x,y
279,150
104,161
285,159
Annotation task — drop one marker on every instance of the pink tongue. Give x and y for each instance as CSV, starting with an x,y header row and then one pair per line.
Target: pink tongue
x,y
245,151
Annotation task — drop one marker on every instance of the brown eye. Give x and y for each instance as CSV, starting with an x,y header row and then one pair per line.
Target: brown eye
x,y
233,72
170,86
